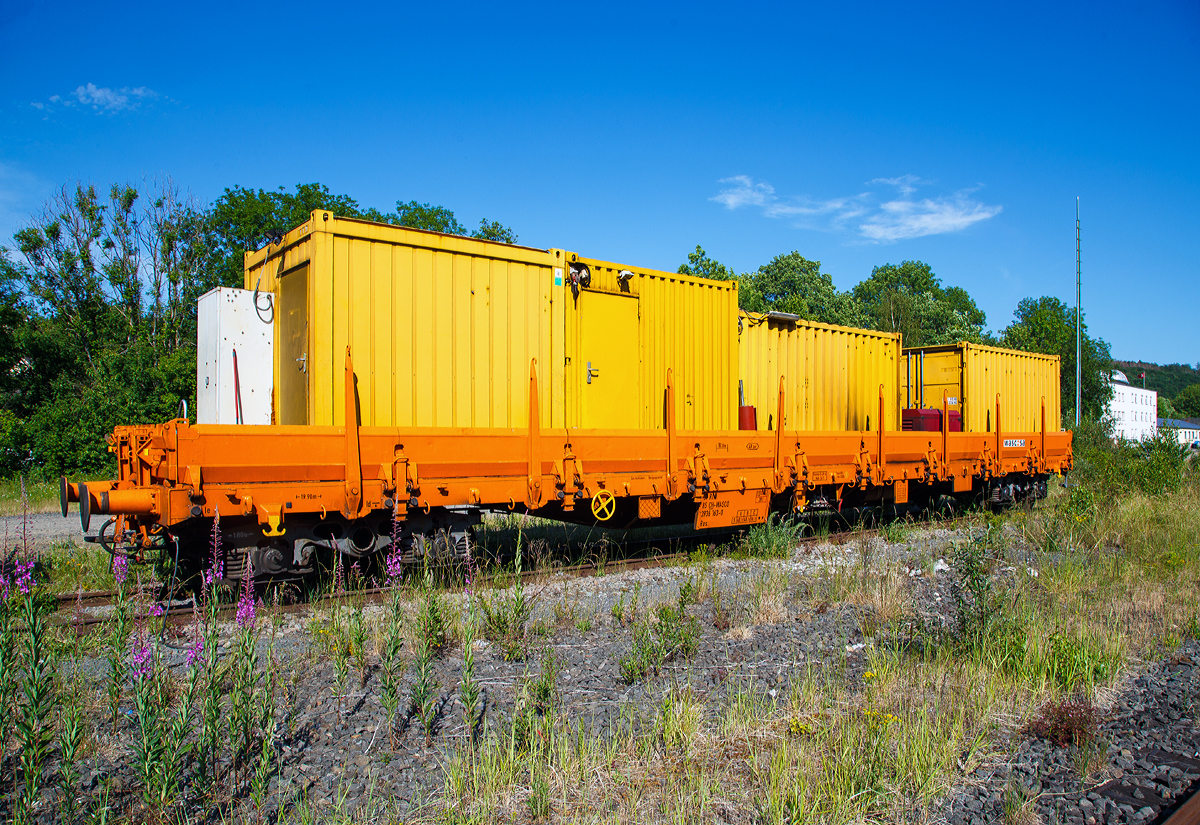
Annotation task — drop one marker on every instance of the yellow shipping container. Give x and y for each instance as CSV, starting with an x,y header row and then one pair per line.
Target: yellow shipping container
x,y
442,330
629,327
832,373
972,375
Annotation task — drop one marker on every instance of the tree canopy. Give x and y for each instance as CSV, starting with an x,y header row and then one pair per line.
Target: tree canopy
x,y
700,265
1168,380
909,299
1187,403
98,304
792,283
99,316
245,219
1047,325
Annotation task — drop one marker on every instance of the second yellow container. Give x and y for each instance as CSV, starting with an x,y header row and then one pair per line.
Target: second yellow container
x,y
832,373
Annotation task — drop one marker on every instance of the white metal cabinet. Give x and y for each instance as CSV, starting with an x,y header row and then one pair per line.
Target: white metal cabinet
x,y
229,329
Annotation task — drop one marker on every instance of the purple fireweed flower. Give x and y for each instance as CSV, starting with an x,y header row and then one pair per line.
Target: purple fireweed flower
x,y
141,660
245,612
195,651
394,564
120,569
24,577
157,611
216,567
245,609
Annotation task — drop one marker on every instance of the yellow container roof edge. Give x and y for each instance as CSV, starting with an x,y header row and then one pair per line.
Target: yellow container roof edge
x,y
764,317
573,257
969,345
375,231
322,220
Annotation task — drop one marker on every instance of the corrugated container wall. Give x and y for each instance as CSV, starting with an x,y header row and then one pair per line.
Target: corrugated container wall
x,y
832,373
441,328
629,327
976,374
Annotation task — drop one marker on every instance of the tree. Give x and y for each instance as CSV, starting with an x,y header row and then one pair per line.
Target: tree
x,y
246,219
909,299
702,266
494,231
1047,325
12,318
1187,403
1165,408
791,283
98,304
105,297
12,322
425,216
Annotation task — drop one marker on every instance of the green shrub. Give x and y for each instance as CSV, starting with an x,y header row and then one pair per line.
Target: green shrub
x,y
674,633
1074,661
774,539
13,448
1069,722
506,616
1108,468
533,718
976,605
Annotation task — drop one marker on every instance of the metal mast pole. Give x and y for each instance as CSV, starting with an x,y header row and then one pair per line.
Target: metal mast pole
x,y
1078,323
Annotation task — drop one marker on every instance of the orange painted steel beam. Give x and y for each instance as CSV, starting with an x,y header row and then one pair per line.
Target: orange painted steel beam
x,y
306,466
171,472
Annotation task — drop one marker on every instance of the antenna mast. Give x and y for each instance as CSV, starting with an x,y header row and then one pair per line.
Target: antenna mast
x,y
1078,323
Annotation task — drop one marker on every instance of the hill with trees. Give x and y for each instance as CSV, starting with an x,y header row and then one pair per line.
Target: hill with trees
x,y
1166,379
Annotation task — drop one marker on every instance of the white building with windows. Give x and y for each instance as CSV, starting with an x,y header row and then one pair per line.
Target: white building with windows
x,y
1134,410
1188,432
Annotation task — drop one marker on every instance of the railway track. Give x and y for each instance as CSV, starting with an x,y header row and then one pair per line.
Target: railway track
x,y
1135,792
183,610
1188,813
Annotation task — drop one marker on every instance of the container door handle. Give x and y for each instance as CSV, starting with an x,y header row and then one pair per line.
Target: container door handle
x,y
592,373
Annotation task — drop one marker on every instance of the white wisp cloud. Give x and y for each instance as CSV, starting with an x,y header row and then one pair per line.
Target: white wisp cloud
x,y
873,217
101,99
900,219
104,99
741,190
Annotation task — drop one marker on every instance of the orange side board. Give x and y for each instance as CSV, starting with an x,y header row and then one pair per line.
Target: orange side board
x,y
203,470
169,473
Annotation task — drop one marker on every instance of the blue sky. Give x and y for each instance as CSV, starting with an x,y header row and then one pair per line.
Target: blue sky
x,y
856,134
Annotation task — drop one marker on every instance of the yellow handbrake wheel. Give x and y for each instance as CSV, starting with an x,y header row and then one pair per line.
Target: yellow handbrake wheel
x,y
604,504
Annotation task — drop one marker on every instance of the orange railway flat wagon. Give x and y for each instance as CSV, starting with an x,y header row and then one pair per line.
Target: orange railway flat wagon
x,y
368,471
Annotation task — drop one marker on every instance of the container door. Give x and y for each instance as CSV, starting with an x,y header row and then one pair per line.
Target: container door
x,y
293,347
610,354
